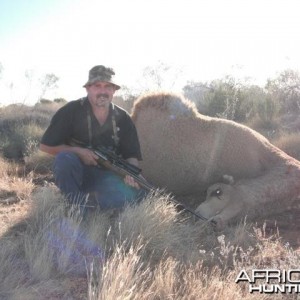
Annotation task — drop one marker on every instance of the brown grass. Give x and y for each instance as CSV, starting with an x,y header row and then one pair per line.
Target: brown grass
x,y
148,251
39,162
11,184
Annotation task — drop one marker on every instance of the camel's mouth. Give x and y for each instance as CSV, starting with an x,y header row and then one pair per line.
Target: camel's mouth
x,y
217,222
214,222
210,214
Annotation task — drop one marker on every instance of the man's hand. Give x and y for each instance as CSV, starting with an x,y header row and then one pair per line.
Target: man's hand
x,y
87,156
130,181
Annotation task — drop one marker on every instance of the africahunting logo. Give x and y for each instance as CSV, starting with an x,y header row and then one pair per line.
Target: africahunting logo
x,y
270,281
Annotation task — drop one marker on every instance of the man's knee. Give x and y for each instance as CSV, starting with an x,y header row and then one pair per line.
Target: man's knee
x,y
68,166
66,160
68,173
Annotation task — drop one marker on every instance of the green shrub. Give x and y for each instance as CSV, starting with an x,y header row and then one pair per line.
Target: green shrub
x,y
267,110
21,127
23,140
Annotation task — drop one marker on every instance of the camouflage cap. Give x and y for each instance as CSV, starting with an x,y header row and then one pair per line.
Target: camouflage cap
x,y
101,73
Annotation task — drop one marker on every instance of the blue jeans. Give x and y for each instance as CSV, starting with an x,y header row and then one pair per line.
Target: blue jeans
x,y
76,181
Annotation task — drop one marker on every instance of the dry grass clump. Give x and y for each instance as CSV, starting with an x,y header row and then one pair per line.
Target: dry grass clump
x,y
4,167
126,275
11,185
37,251
39,162
147,251
156,214
10,168
21,187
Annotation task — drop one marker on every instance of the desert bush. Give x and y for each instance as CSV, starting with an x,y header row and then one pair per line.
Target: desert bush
x,y
222,98
227,98
267,110
23,140
196,91
271,129
285,90
21,128
289,143
13,115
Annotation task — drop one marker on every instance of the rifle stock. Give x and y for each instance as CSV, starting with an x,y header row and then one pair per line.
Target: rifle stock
x,y
114,163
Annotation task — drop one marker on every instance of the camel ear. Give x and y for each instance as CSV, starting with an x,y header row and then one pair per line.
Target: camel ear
x,y
228,179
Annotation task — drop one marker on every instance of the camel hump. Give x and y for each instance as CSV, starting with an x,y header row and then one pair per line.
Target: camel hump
x,y
174,104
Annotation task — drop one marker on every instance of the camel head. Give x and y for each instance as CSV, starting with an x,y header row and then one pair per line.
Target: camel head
x,y
222,203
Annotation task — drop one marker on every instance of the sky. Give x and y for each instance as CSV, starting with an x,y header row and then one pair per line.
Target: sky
x,y
199,40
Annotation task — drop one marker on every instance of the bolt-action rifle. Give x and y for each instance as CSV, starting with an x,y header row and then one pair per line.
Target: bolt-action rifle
x,y
115,163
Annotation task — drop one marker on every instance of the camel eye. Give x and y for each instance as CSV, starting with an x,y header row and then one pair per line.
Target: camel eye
x,y
216,193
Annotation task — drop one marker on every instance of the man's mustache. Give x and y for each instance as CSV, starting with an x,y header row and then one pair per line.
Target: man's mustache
x,y
102,95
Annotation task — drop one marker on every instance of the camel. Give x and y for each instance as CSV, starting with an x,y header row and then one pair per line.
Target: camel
x,y
226,201
186,152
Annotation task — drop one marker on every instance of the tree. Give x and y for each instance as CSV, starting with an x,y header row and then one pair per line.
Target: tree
x,y
226,97
285,90
196,92
48,82
252,98
160,76
223,98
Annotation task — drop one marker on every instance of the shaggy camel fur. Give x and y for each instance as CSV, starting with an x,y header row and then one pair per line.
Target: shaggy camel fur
x,y
186,152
